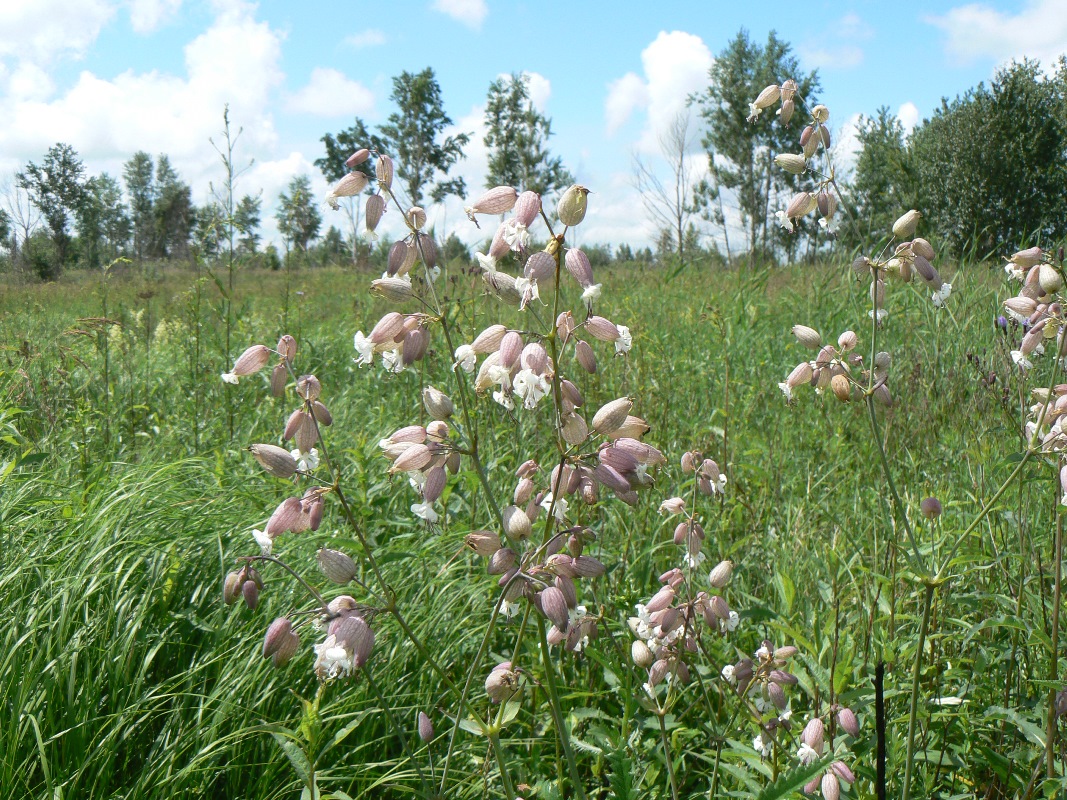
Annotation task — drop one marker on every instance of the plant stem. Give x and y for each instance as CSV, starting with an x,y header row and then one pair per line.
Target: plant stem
x,y
1054,668
667,755
913,711
557,714
505,776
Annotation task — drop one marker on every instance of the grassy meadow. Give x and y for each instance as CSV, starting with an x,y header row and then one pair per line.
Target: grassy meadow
x,y
126,495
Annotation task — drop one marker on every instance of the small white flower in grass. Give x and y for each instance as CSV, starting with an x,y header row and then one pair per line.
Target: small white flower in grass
x,y
425,511
762,706
332,660
941,295
306,462
650,690
509,609
466,358
831,226
807,754
1014,272
882,314
785,714
783,219
559,510
719,486
434,274
417,480
229,377
753,112
693,561
531,387
732,623
504,398
1021,361
488,263
728,674
762,746
625,340
364,349
786,390
393,361
265,542
591,294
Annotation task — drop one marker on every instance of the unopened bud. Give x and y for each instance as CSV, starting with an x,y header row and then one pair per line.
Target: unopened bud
x,y
438,404
904,227
848,722
808,337
573,205
277,633
275,460
930,507
336,566
720,575
792,163
425,728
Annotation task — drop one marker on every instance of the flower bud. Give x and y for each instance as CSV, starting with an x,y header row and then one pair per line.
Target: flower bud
x,y
785,113
425,728
484,543
794,164
931,508
308,387
527,207
602,329
573,429
579,267
286,650
488,341
438,404
803,203
516,523
820,113
387,329
720,575
573,205
502,683
923,248
250,593
1028,258
383,170
585,355
1050,278
808,337
768,97
554,607
375,211
904,227
336,566
275,460
231,587
812,735
251,360
277,633
401,258
847,341
349,186
848,722
498,200
416,218
357,158
540,266
841,387
588,567
287,347
641,655
427,250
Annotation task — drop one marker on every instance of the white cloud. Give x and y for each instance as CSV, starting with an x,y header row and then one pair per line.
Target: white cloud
x,y
908,114
39,30
838,46
372,37
540,90
329,93
469,12
148,15
845,56
846,147
675,65
976,31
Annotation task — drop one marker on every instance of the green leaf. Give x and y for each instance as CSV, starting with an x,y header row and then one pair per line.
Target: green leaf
x,y
794,781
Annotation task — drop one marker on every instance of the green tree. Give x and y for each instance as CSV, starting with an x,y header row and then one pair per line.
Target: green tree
x,y
246,219
5,229
103,224
414,135
56,187
139,176
298,217
516,137
173,211
991,165
882,185
209,229
740,153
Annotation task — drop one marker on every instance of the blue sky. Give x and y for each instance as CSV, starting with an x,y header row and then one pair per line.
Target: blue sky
x,y
114,76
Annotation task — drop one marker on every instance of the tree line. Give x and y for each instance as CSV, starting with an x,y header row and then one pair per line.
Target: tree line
x,y
985,168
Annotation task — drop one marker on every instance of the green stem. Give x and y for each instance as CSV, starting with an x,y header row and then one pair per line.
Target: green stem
x,y
505,776
557,714
1054,668
667,755
913,711
395,725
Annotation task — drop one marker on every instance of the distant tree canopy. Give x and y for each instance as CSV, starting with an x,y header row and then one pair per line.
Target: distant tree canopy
x,y
298,215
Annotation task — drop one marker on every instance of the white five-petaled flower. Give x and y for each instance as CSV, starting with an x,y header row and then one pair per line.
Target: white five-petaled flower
x,y
882,314
466,358
488,263
732,623
762,653
1021,361
829,225
625,340
807,754
527,289
370,235
559,510
306,462
941,295
364,349
229,377
434,273
504,398
591,294
762,746
425,511
509,609
393,361
1014,272
786,390
753,112
264,540
784,220
728,674
332,659
531,387
692,561
516,234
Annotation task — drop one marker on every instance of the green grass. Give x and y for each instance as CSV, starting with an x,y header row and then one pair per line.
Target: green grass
x,y
124,500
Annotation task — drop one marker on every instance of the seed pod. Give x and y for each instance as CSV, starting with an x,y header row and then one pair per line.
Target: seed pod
x,y
1028,258
425,728
841,770
848,722
275,460
516,523
640,654
357,158
498,200
278,378
588,567
827,203
484,543
612,415
527,207
809,143
904,227
383,169
618,459
489,340
540,266
502,683
720,608
416,218
781,654
602,329
571,393
395,289
534,358
661,600
412,459
631,428
572,205
573,429
776,694
794,164
427,250
841,387
785,113
830,787
812,735
931,507
438,404
768,97
375,211
585,355
579,267
502,560
1050,278
808,337
611,478
720,575
923,248
308,387
336,566
321,413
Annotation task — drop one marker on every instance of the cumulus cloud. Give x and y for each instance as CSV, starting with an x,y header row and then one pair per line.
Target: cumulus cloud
x,y
675,65
908,114
329,93
148,15
468,12
976,31
540,90
372,37
838,46
39,30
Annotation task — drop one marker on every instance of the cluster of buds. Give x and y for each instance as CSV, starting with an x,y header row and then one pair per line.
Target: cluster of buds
x,y
244,583
547,576
812,745
836,368
401,339
709,478
762,681
425,454
786,94
1036,306
349,639
258,356
356,180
